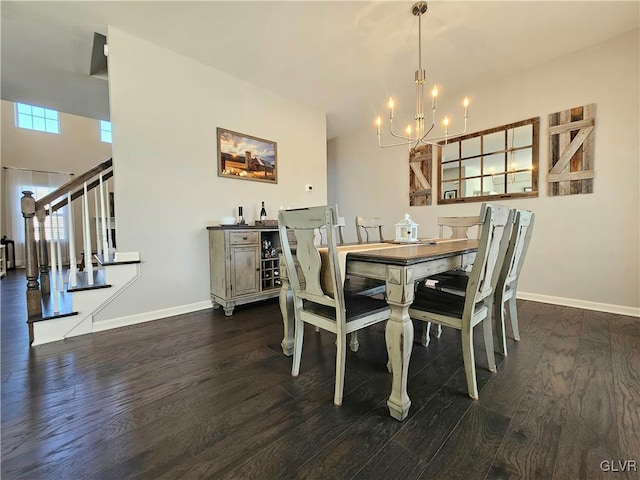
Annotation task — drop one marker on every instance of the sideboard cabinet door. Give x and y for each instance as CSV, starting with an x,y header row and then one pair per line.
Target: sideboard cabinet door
x,y
245,270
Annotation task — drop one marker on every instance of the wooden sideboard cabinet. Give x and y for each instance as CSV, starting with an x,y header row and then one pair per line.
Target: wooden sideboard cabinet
x,y
242,270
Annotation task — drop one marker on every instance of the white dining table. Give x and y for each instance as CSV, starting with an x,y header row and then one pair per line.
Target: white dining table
x,y
400,266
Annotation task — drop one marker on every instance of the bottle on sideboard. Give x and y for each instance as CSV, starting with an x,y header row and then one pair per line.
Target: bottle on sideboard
x,y
240,216
263,212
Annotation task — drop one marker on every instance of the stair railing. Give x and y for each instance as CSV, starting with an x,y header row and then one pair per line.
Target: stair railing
x,y
38,256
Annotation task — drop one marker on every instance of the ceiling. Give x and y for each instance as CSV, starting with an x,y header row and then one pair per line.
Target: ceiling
x,y
342,58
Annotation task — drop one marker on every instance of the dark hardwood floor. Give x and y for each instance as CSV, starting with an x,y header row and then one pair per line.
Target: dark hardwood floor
x,y
207,396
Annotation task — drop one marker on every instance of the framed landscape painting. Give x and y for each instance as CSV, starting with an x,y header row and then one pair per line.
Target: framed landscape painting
x,y
246,157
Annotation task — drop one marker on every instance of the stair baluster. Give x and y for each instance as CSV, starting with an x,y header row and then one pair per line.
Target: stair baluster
x,y
97,218
73,260
54,267
110,248
88,262
45,284
105,222
58,241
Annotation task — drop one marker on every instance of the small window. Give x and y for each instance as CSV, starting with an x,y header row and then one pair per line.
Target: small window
x,y
105,131
37,118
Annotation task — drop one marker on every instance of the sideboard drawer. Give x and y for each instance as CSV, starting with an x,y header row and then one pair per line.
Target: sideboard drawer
x,y
244,238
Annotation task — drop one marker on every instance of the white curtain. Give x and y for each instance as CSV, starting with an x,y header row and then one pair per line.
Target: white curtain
x,y
40,183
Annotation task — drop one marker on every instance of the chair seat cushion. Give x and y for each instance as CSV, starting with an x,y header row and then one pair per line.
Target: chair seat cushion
x,y
360,285
437,301
455,282
357,306
448,275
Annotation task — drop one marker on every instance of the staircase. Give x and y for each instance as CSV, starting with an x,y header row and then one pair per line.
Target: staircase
x,y
63,303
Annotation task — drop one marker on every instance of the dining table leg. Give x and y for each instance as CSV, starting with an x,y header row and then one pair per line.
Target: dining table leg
x,y
286,307
399,338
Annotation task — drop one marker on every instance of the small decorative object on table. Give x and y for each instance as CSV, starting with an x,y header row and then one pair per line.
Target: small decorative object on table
x,y
406,230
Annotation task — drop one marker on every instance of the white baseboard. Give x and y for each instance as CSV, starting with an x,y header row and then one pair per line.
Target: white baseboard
x,y
572,302
149,316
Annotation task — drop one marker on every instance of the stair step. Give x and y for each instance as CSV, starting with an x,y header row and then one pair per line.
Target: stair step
x,y
65,307
82,281
112,259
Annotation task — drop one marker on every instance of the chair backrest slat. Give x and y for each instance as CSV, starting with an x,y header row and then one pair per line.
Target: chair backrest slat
x,y
491,250
368,223
459,226
321,233
304,223
518,246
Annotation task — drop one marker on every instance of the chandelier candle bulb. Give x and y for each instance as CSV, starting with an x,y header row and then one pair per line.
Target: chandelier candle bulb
x,y
391,108
434,94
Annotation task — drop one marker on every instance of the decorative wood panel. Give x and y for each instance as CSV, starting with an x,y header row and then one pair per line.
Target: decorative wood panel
x,y
420,175
571,149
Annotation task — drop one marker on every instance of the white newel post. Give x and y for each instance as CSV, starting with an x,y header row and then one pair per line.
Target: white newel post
x,y
73,265
86,235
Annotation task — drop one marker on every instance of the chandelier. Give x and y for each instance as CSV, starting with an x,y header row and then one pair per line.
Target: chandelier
x,y
421,132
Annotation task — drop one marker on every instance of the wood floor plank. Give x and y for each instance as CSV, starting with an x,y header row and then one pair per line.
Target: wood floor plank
x,y
625,358
289,456
530,445
516,370
589,432
468,452
424,434
595,326
391,462
214,458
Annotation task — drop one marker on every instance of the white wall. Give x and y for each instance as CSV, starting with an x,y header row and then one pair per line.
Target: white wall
x,y
585,248
75,150
164,110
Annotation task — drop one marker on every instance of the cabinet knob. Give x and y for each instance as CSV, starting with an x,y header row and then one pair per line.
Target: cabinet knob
x,y
244,238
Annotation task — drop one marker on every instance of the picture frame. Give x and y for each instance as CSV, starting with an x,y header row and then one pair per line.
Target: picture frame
x,y
450,194
246,157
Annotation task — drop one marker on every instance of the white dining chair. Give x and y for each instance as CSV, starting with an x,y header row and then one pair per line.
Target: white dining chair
x,y
475,306
337,312
353,285
506,283
369,225
458,227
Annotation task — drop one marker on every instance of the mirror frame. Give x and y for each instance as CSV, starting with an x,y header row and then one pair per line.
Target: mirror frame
x,y
535,155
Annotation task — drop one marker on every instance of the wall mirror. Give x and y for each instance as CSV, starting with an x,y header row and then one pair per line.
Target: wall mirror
x,y
501,162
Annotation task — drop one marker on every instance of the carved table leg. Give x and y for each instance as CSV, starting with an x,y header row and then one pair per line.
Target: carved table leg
x,y
286,307
399,337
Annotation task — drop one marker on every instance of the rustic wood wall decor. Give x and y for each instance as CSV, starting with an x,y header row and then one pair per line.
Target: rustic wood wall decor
x,y
571,150
420,175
